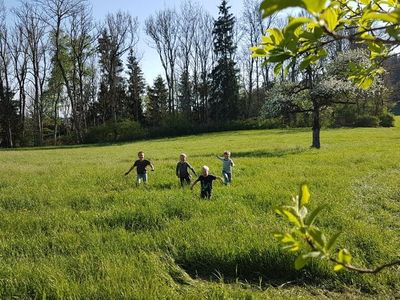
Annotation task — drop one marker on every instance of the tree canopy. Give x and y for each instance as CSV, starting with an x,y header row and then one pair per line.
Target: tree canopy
x,y
374,23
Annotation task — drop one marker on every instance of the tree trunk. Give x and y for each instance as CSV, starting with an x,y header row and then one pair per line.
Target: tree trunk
x,y
55,118
10,137
316,128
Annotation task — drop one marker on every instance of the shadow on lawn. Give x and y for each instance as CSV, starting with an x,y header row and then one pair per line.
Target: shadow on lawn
x,y
270,153
263,269
63,147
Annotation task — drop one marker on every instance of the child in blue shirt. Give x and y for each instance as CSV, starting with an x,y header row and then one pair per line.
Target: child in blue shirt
x,y
227,165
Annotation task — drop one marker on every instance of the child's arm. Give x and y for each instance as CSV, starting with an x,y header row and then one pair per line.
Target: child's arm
x,y
219,157
232,163
177,169
130,170
151,166
191,168
191,187
220,179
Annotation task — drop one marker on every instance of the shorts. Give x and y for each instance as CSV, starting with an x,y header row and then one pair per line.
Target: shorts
x,y
141,177
205,194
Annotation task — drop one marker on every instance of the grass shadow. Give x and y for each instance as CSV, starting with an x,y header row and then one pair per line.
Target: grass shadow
x,y
65,147
271,153
164,186
269,267
131,221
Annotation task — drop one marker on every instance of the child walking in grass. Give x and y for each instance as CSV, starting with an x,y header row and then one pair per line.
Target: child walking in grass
x,y
141,165
227,165
206,181
182,170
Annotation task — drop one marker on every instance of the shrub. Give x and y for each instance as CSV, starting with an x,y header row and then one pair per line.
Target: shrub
x,y
386,120
125,130
366,121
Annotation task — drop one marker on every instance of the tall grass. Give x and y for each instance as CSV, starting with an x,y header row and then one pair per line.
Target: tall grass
x,y
72,226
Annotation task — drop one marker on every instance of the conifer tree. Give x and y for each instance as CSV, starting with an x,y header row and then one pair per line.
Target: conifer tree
x,y
136,89
158,102
185,94
224,77
111,81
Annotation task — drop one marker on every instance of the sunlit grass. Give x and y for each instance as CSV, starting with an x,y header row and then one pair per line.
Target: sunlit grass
x,y
73,226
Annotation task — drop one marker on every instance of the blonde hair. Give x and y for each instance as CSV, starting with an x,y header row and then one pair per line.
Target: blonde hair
x,y
205,168
227,152
140,152
183,154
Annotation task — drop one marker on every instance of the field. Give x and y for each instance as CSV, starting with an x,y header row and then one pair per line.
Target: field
x,y
72,226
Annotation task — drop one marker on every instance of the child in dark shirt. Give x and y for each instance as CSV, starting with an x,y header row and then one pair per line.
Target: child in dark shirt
x,y
206,180
141,165
182,170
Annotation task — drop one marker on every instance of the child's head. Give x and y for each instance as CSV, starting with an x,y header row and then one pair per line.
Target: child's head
x,y
182,157
140,155
227,154
204,170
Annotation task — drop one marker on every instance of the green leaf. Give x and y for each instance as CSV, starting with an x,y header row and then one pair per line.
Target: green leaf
x,y
366,82
367,36
288,241
300,262
290,214
306,62
257,52
314,6
294,23
304,195
312,58
265,40
322,53
385,17
313,254
330,17
279,57
292,247
337,267
276,35
332,241
318,237
310,220
344,256
278,68
269,7
376,47
291,43
303,212
308,36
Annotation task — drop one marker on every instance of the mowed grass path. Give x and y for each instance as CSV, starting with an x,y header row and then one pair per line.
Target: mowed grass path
x,y
72,226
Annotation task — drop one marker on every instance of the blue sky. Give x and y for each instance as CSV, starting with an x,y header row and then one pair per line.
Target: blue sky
x,y
142,9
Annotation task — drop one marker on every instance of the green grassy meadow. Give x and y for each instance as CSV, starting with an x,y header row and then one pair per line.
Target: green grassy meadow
x,y
72,226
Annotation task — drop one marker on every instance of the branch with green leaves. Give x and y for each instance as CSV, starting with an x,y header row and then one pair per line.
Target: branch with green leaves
x,y
307,238
372,22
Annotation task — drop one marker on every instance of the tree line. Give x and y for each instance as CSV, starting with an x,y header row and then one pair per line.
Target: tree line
x,y
62,73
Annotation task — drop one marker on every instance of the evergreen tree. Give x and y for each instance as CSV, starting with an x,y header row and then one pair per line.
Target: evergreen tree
x,y
136,89
111,86
185,94
158,102
9,120
224,77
